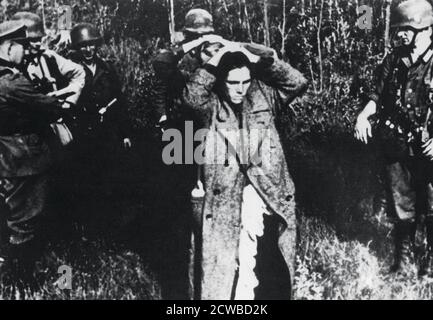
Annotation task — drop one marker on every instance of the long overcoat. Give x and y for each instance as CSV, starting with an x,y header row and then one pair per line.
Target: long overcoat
x,y
275,84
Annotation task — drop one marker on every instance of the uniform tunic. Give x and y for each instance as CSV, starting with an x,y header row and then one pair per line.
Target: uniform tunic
x,y
25,115
402,95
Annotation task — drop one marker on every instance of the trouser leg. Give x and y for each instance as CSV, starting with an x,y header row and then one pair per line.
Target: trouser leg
x,y
24,205
402,184
427,263
25,199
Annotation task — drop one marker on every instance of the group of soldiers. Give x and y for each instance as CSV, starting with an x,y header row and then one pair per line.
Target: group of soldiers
x,y
67,113
60,118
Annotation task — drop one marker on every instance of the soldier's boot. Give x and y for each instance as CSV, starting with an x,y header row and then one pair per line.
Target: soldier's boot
x,y
426,268
404,256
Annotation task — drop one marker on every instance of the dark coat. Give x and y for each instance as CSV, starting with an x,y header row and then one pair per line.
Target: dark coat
x,y
100,89
277,85
25,115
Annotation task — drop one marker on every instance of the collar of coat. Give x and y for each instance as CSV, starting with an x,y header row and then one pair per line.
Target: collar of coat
x,y
425,57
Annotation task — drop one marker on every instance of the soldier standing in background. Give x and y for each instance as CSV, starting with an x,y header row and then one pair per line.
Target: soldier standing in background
x,y
173,68
25,157
403,100
103,127
53,74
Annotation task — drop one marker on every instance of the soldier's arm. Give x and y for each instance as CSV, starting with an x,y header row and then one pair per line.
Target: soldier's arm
x,y
74,73
382,74
363,129
22,93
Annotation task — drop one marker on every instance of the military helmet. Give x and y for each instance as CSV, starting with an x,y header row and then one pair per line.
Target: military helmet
x,y
417,14
34,24
84,34
13,30
198,21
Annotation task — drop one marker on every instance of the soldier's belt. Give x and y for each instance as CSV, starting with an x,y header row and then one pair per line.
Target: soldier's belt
x,y
415,133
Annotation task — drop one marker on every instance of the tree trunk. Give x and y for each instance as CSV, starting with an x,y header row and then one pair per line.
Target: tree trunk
x,y
171,25
245,19
283,31
319,45
387,26
266,24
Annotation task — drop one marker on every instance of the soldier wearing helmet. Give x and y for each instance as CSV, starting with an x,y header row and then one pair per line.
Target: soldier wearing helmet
x,y
402,102
25,158
172,69
103,128
183,59
52,73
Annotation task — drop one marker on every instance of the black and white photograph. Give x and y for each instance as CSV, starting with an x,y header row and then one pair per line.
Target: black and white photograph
x,y
216,150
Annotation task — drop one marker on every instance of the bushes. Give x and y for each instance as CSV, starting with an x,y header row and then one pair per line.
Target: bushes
x,y
133,61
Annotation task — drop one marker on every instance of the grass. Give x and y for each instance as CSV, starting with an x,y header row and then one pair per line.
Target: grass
x,y
100,271
329,267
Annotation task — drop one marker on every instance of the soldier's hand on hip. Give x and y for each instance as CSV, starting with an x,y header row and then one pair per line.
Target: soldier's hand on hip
x,y
428,149
363,129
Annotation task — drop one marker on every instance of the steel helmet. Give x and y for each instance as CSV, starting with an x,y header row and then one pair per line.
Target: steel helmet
x,y
417,14
34,24
84,34
198,21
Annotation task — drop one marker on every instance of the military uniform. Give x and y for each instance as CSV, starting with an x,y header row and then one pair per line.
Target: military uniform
x,y
173,68
59,74
100,128
25,157
403,90
403,98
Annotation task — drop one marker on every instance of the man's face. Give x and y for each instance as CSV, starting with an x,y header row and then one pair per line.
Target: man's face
x,y
88,52
35,45
408,36
405,36
237,84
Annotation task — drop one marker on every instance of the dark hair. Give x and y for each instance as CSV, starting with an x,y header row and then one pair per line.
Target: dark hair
x,y
230,61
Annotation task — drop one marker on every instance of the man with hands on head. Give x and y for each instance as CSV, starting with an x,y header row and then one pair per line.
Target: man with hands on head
x,y
246,202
